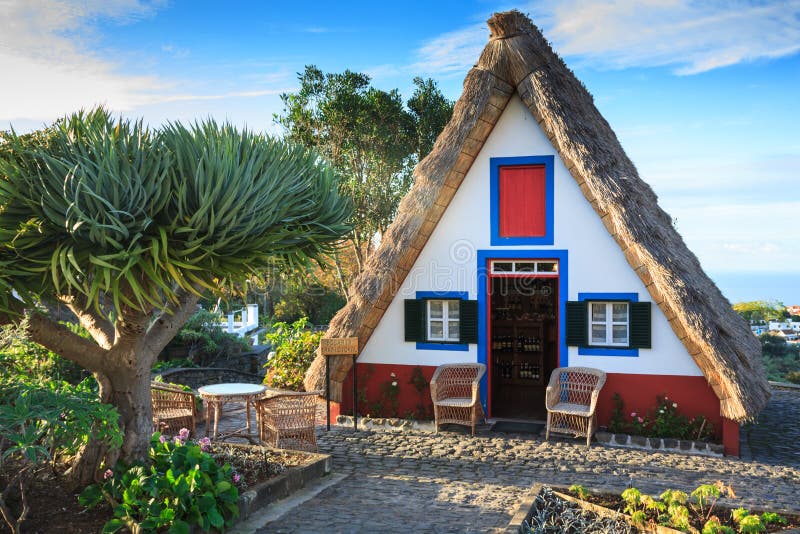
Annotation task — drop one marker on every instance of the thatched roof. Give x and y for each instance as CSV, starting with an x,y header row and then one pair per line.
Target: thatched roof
x,y
518,59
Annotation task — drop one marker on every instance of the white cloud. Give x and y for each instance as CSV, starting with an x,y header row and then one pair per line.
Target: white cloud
x,y
453,52
741,236
691,37
45,52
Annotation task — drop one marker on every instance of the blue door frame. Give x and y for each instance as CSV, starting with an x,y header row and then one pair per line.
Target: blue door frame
x,y
483,270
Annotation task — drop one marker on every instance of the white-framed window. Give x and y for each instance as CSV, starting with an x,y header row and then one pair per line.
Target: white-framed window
x,y
443,319
609,324
511,267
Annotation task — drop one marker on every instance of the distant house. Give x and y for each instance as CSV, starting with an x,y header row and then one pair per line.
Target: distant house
x,y
793,310
784,325
529,242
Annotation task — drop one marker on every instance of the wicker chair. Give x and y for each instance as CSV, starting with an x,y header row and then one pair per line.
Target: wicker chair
x,y
571,400
286,421
454,392
173,408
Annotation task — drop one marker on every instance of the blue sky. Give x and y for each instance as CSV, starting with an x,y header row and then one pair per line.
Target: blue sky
x,y
703,95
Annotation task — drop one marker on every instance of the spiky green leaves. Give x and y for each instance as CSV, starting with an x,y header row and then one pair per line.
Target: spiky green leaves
x,y
108,208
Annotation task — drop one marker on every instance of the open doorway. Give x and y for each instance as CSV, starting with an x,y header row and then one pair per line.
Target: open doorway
x,y
523,336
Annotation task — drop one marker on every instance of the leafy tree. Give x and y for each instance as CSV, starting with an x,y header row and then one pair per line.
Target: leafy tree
x,y
431,111
128,227
761,310
371,139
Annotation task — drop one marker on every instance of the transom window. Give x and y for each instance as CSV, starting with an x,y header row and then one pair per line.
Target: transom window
x,y
527,267
609,324
443,320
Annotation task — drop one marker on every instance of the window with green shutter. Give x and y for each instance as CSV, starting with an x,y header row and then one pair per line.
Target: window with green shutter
x,y
608,324
441,320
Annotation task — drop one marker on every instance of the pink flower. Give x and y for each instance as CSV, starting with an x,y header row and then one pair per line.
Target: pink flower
x,y
177,440
162,438
674,404
640,420
184,434
633,414
236,478
108,474
205,444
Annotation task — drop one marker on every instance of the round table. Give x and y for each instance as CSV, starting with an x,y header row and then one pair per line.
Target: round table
x,y
218,394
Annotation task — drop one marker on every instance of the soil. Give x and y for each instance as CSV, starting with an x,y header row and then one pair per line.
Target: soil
x,y
54,507
615,502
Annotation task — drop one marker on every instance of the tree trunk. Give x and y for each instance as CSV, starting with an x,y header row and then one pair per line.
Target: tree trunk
x,y
127,388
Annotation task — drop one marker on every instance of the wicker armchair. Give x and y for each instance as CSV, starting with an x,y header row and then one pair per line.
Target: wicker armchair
x,y
286,421
455,394
571,400
173,408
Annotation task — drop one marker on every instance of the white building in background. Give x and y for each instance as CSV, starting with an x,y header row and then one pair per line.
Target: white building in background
x,y
784,325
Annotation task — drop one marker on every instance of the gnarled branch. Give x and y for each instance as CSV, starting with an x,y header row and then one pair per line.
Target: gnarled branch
x,y
100,328
170,320
56,337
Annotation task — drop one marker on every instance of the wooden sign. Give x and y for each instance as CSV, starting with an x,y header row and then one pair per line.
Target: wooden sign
x,y
338,345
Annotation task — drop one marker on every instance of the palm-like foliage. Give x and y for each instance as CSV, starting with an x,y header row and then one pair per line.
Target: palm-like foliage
x,y
107,207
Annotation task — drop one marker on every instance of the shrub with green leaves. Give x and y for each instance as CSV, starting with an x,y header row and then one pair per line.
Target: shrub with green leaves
x,y
20,356
180,486
295,346
205,339
41,421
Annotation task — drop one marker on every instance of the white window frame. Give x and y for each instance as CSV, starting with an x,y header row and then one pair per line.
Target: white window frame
x,y
609,324
445,319
526,267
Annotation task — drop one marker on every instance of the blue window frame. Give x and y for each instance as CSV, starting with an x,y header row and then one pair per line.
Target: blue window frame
x,y
494,199
442,295
608,297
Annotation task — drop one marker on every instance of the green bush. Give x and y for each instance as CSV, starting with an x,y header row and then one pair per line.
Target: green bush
x,y
172,364
793,377
22,357
181,486
204,339
317,303
41,421
295,346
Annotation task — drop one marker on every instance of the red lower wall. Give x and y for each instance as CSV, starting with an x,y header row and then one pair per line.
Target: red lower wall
x,y
379,398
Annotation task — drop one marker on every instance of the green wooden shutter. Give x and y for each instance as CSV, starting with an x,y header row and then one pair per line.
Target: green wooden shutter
x,y
415,320
577,327
640,335
469,321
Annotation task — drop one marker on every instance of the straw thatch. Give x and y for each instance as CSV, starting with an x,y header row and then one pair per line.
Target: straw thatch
x,y
519,59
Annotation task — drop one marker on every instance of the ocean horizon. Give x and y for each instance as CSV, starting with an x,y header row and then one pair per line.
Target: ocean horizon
x,y
770,286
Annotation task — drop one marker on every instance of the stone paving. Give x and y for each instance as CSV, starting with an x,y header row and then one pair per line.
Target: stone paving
x,y
415,481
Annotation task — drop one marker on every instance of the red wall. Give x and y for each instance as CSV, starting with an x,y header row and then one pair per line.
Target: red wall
x,y
692,393
374,379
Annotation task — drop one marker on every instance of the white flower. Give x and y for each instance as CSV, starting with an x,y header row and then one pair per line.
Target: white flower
x,y
394,384
674,404
393,375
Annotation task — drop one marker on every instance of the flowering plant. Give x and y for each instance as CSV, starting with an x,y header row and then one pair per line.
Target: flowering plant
x,y
181,485
665,421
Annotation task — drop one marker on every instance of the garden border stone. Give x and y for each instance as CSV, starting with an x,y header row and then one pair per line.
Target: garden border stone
x,y
283,485
683,446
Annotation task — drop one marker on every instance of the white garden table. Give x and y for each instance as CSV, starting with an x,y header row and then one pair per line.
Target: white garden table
x,y
217,395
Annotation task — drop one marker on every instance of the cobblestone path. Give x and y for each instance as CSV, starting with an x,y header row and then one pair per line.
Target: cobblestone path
x,y
416,481
775,438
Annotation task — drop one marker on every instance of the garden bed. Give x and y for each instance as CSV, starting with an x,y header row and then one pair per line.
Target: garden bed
x,y
266,474
603,512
